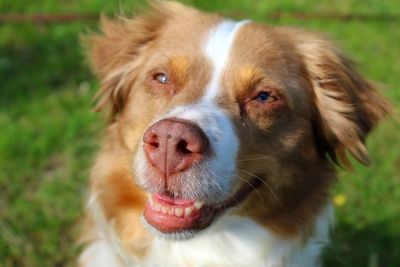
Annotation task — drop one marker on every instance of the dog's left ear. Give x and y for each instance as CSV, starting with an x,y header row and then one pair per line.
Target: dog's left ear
x,y
347,105
115,53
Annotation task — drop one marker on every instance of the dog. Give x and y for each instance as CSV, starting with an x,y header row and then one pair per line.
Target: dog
x,y
222,143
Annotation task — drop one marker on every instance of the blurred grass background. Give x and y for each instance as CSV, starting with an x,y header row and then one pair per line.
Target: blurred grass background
x,y
48,133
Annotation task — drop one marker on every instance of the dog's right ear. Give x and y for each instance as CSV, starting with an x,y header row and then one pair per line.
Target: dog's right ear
x,y
348,107
114,53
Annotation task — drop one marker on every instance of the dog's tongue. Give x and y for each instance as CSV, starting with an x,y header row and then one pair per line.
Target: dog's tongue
x,y
168,214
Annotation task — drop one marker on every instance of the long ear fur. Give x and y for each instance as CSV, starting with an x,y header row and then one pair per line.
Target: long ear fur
x,y
348,107
114,53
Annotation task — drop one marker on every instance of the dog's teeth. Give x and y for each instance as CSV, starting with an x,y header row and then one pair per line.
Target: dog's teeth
x,y
156,206
188,211
171,211
198,205
164,210
178,212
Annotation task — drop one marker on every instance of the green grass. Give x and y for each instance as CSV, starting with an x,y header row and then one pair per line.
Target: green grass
x,y
49,134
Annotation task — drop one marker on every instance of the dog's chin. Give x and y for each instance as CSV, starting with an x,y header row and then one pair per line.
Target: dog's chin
x,y
182,235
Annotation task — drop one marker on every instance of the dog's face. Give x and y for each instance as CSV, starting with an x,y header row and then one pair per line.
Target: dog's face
x,y
219,114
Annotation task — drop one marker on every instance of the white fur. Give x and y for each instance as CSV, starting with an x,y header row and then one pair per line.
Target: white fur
x,y
217,48
100,254
231,242
240,242
140,166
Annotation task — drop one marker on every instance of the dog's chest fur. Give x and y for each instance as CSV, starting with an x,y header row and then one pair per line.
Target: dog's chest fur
x,y
232,242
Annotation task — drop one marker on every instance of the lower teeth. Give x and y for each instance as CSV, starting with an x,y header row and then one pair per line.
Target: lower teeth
x,y
178,212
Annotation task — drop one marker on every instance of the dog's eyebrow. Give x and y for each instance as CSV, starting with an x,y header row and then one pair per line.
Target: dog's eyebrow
x,y
178,67
245,80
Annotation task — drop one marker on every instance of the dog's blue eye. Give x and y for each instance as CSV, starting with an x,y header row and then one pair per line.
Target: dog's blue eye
x,y
161,78
263,97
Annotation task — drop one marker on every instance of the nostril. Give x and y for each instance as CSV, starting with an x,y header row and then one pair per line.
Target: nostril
x,y
182,147
155,145
151,140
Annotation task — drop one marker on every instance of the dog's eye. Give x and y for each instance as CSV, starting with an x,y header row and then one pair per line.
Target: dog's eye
x,y
268,99
159,81
263,97
161,78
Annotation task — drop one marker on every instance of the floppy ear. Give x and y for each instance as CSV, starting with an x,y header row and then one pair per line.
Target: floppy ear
x,y
114,54
347,105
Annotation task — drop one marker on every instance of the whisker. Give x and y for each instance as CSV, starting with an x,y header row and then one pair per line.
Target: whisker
x,y
252,186
252,159
218,186
264,182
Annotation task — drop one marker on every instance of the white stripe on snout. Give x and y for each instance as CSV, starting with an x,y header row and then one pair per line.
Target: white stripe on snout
x,y
217,48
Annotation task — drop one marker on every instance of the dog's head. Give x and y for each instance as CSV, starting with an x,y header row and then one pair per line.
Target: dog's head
x,y
219,114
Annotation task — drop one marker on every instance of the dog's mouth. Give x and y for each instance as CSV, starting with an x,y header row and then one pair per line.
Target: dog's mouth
x,y
176,215
169,215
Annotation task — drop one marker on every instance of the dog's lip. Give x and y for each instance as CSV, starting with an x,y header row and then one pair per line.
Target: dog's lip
x,y
172,201
201,215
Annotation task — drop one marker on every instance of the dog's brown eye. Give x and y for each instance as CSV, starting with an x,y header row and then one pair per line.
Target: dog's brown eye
x,y
161,78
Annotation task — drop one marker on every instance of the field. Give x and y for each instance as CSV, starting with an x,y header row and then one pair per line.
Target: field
x,y
49,134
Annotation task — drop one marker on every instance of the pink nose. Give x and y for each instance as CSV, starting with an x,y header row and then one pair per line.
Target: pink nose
x,y
173,145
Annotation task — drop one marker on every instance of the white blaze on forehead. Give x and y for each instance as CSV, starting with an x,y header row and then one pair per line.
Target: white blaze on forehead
x,y
217,48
